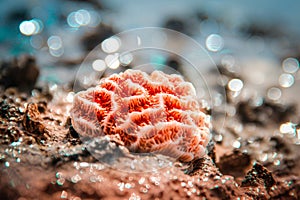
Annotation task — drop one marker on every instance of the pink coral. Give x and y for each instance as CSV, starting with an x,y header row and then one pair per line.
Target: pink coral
x,y
146,113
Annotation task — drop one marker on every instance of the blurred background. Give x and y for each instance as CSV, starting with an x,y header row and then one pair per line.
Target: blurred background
x,y
59,33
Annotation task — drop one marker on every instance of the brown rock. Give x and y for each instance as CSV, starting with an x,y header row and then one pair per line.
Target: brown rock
x,y
32,122
21,72
235,164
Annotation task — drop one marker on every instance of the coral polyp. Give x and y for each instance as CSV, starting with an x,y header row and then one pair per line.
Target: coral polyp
x,y
146,113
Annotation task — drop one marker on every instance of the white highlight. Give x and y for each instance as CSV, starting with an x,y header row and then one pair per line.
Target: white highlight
x,y
112,61
99,65
235,85
214,43
111,45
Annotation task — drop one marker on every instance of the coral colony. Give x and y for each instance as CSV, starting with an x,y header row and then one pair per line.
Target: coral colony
x,y
146,113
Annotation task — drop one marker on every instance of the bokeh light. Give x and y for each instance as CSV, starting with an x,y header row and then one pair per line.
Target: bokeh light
x,y
290,65
112,61
83,17
31,27
286,80
36,41
72,20
235,85
111,45
287,128
56,52
55,46
54,42
99,65
126,58
214,43
274,93
236,144
95,19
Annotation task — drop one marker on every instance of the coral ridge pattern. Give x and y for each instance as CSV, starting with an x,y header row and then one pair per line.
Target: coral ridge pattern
x,y
146,113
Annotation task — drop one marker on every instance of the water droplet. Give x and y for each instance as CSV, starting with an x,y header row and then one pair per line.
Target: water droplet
x,y
218,138
70,97
99,167
263,157
14,144
143,190
84,164
64,195
236,144
6,164
288,128
121,186
134,197
276,162
100,178
76,165
274,155
128,186
93,179
183,184
59,175
75,178
60,181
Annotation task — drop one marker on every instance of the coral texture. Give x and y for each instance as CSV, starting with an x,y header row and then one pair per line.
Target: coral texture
x,y
145,113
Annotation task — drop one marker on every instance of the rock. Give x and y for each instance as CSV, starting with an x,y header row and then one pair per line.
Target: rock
x,y
32,122
21,72
234,164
